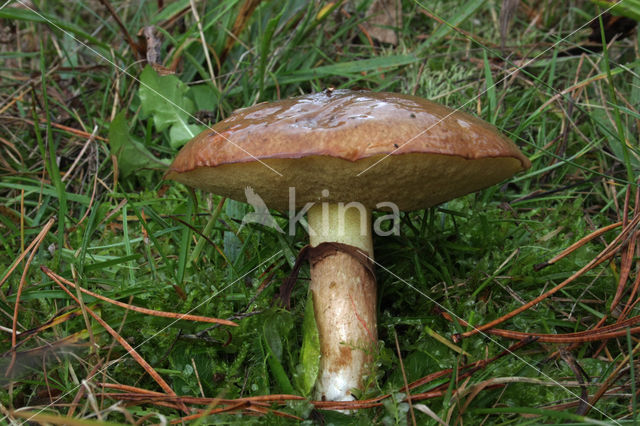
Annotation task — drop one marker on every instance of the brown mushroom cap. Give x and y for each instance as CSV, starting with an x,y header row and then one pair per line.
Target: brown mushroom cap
x,y
425,153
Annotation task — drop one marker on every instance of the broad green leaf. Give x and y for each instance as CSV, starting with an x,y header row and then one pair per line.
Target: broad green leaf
x,y
132,156
165,99
204,97
180,135
310,351
275,329
273,337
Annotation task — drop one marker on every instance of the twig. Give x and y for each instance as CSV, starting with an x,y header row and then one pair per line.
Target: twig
x,y
80,133
596,334
36,241
158,379
90,139
404,378
609,380
132,44
604,255
577,245
34,249
163,314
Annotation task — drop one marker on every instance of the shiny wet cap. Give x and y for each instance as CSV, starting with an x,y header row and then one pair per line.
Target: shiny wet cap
x,y
344,146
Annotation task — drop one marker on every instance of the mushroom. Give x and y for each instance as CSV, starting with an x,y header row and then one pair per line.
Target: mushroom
x,y
336,155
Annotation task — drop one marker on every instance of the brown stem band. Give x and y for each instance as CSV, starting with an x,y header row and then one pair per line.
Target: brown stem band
x,y
316,254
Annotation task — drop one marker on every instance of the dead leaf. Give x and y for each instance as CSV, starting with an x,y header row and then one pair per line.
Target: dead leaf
x,y
384,17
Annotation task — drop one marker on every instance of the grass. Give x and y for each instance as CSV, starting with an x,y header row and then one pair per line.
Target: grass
x,y
84,142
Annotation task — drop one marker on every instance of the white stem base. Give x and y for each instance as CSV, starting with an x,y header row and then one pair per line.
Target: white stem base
x,y
344,298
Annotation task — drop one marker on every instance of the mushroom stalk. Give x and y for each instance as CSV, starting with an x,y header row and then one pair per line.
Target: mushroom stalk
x,y
344,300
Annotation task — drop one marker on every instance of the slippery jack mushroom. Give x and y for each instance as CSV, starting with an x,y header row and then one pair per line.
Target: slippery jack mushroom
x,y
338,155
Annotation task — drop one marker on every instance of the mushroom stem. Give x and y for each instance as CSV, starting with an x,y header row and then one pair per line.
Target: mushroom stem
x,y
344,300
